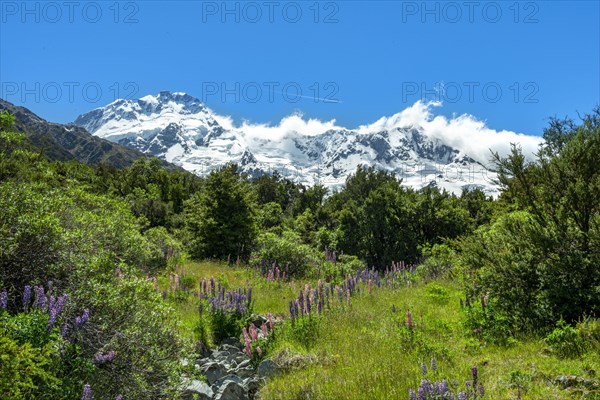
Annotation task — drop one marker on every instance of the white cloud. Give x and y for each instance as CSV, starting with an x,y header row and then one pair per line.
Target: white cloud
x,y
464,132
289,125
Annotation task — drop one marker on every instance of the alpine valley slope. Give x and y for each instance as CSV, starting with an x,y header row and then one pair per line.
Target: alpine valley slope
x,y
180,129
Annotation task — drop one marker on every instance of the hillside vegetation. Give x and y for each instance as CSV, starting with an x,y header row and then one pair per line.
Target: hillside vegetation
x,y
114,283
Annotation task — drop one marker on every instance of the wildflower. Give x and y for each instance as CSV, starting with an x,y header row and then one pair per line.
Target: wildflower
x,y
270,319
292,310
263,328
101,358
481,390
409,321
412,395
301,302
64,331
423,368
253,333
421,392
40,297
394,309
3,299
433,364
258,350
474,373
81,320
26,296
119,397
87,392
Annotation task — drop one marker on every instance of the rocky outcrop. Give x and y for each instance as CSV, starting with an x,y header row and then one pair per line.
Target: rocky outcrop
x,y
230,374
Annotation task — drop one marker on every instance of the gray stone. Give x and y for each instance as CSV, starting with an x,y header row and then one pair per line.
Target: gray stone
x,y
244,363
259,320
237,357
213,371
244,372
235,342
227,378
197,390
252,385
267,368
231,391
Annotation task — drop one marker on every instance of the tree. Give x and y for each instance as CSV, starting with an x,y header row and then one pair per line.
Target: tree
x,y
221,218
560,194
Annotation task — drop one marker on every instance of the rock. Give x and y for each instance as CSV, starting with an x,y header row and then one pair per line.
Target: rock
x,y
267,368
197,390
244,372
244,363
235,342
229,377
213,371
231,387
259,320
238,358
252,385
229,349
572,381
203,361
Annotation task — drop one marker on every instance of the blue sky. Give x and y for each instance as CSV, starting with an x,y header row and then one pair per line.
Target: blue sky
x,y
511,64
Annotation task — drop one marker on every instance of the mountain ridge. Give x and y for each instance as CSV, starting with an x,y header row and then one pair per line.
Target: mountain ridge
x,y
179,128
59,142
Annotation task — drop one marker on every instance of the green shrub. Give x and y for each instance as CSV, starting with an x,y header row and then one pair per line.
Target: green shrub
x,y
285,250
565,341
439,262
589,330
302,331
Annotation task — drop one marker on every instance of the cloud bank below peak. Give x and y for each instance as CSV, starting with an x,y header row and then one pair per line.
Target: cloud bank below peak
x,y
465,131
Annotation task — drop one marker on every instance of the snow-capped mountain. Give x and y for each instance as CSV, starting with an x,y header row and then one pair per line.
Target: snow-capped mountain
x,y
180,129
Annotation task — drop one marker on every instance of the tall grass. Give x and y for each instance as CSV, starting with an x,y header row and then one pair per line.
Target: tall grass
x,y
366,351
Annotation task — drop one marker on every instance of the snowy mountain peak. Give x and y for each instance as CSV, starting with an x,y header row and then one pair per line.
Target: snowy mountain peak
x,y
420,149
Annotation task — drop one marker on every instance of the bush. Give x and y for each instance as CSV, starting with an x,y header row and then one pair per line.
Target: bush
x,y
439,262
589,330
285,250
565,341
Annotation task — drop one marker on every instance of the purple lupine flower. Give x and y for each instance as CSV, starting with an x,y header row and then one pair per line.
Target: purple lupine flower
x,y
411,394
101,358
424,368
308,304
301,302
481,390
40,297
292,309
87,392
119,397
421,393
474,373
64,331
26,296
444,388
81,320
433,364
3,299
462,396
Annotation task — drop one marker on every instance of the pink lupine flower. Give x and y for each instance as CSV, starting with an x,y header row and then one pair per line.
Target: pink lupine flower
x,y
253,333
263,328
270,319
